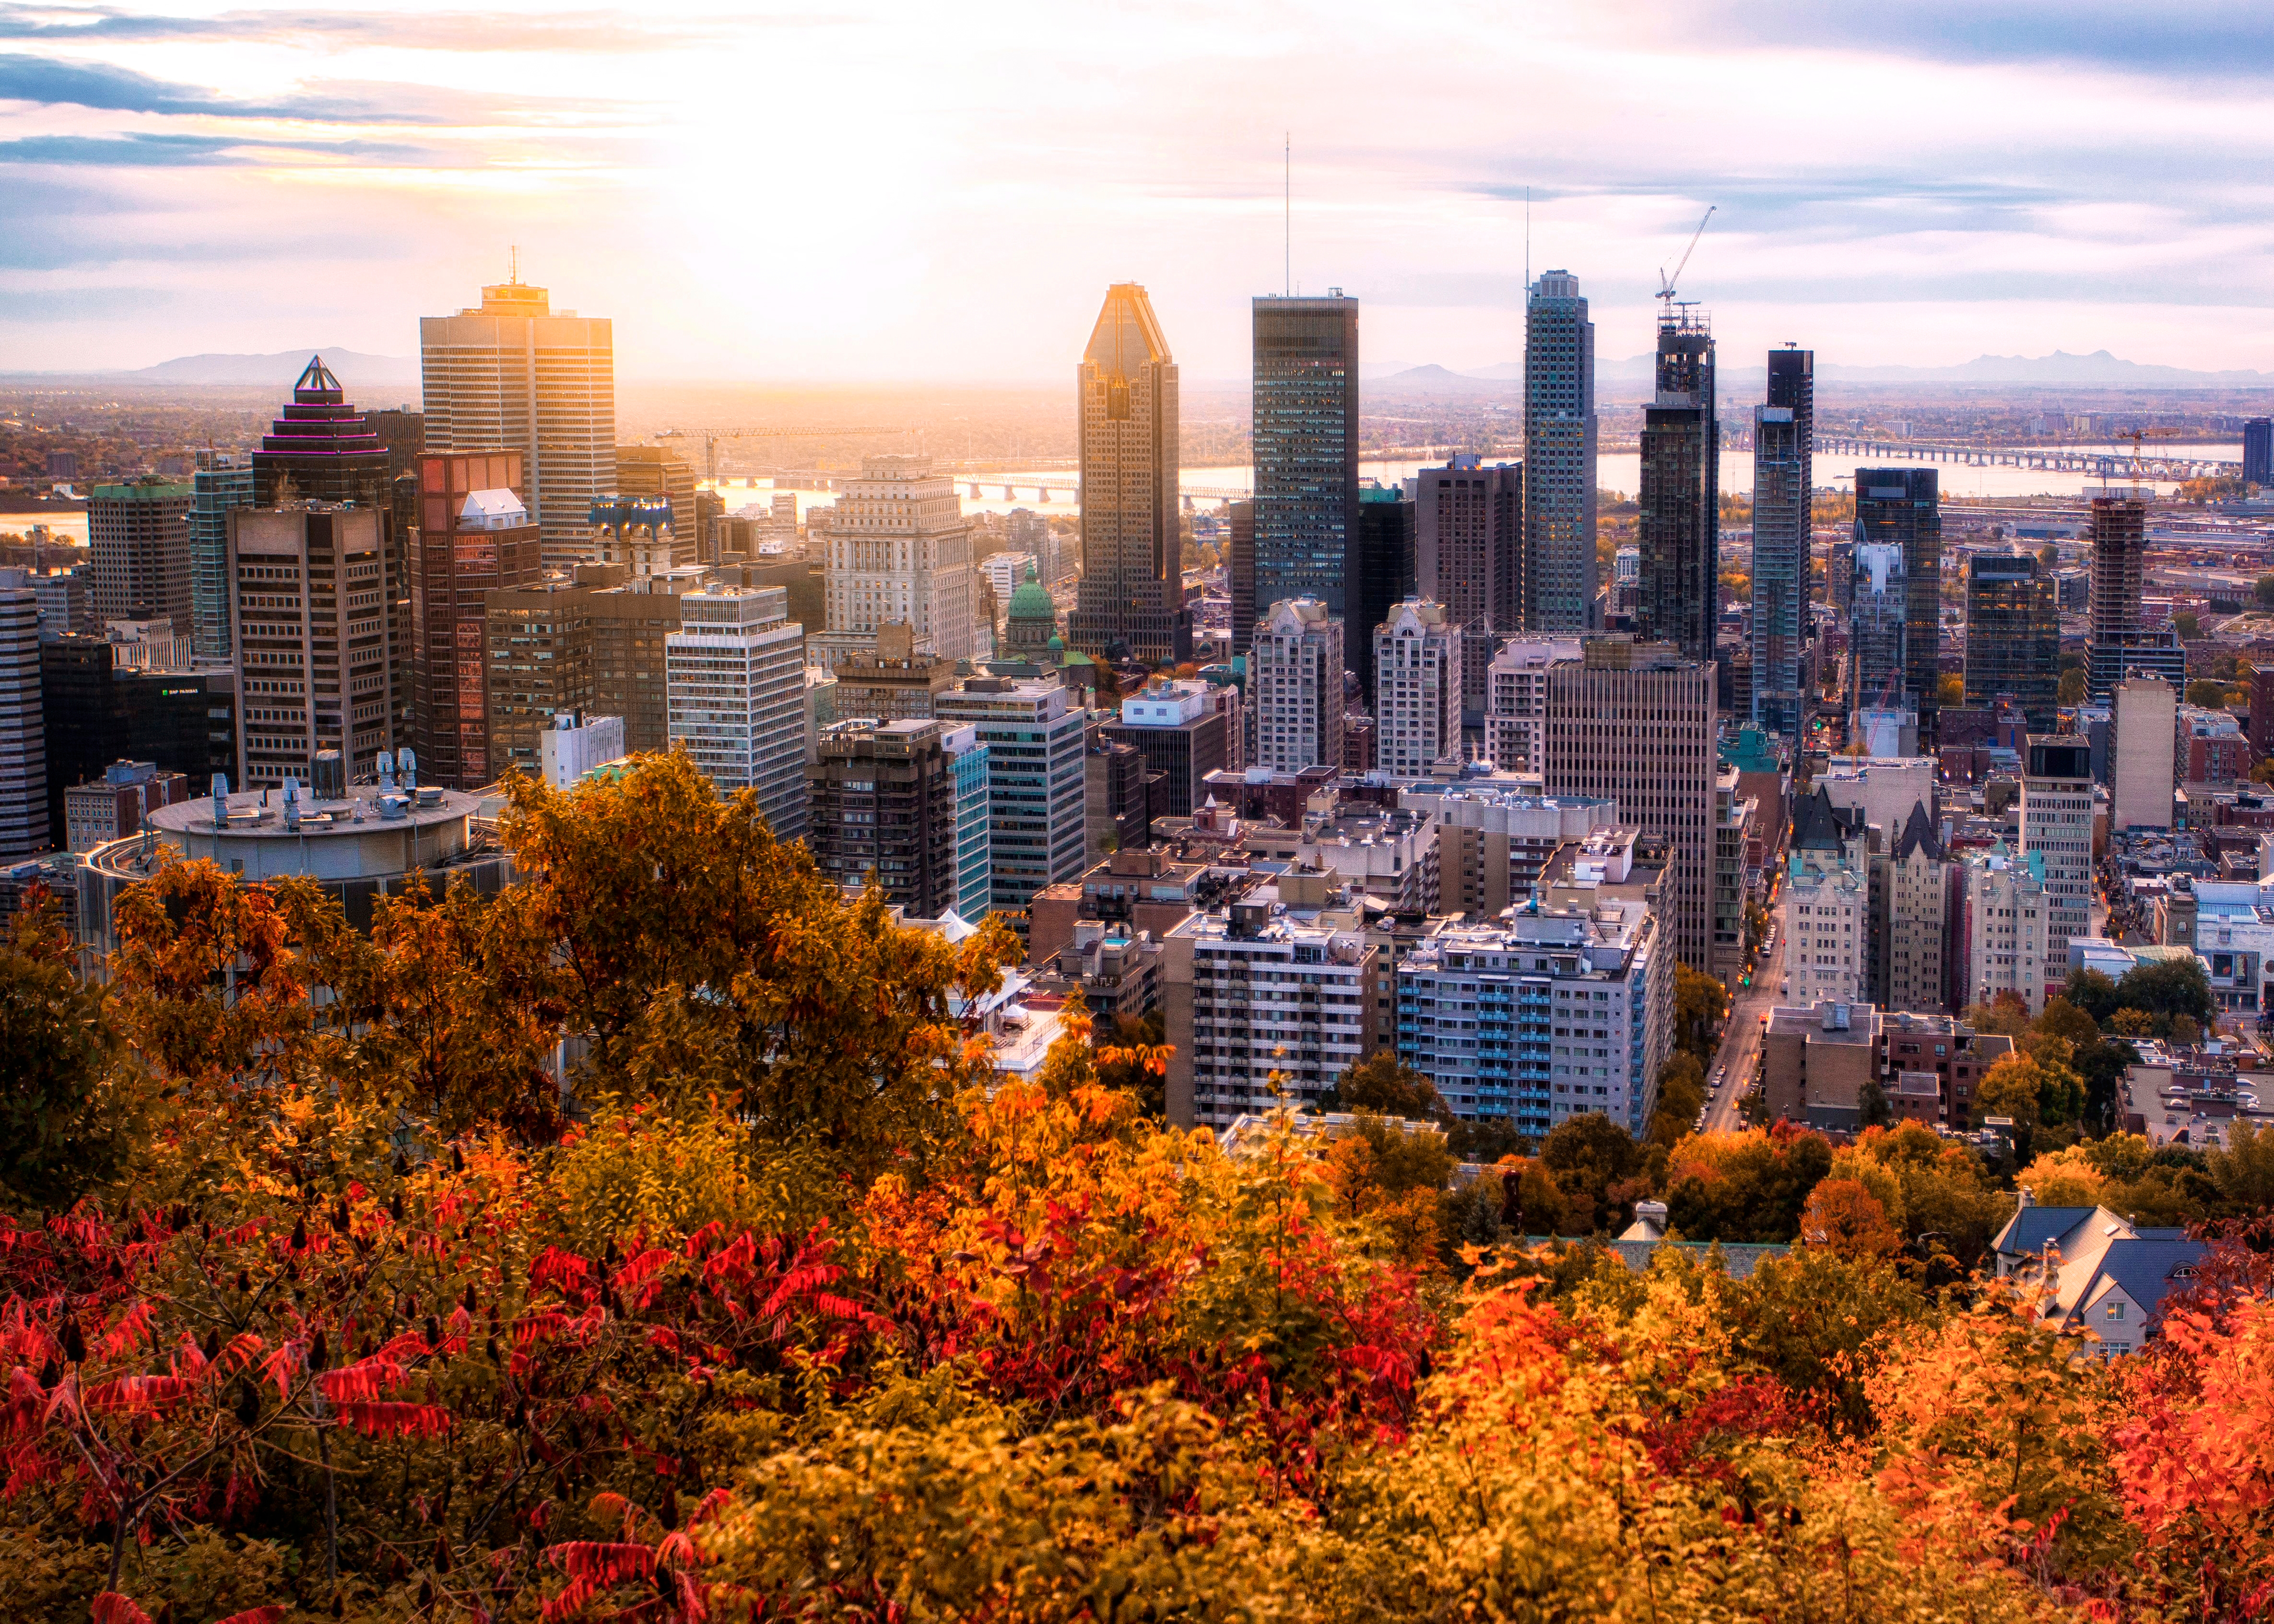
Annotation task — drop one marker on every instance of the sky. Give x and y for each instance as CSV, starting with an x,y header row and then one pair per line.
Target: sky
x,y
826,191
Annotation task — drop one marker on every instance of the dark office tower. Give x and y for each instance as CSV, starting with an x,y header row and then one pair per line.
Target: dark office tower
x,y
881,808
1792,385
1902,506
1133,573
323,446
2258,450
1386,539
1239,572
24,823
1780,564
99,711
1559,458
2119,645
473,538
1306,448
2013,635
403,432
1468,555
1680,525
138,544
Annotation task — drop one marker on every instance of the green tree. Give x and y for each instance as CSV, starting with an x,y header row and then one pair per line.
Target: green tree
x,y
2206,692
2092,992
2010,1088
1681,1096
2072,688
2243,1169
2168,987
1383,1086
1589,1155
2265,591
59,1135
1950,691
1872,1104
1700,1003
2187,624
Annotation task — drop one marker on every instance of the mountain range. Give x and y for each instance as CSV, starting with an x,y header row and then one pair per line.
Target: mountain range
x,y
354,369
2099,369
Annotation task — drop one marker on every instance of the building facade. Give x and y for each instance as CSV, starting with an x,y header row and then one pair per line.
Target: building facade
x,y
1559,457
1295,682
472,537
1418,652
1515,700
1679,527
966,761
2119,643
1132,594
138,536
1034,741
24,813
2013,634
735,681
1469,529
2008,914
1879,630
513,373
659,473
1827,905
1780,565
900,550
1304,412
1914,892
1388,535
321,450
2057,828
1182,737
881,811
222,480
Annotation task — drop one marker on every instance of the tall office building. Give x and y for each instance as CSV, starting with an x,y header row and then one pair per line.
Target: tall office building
x,y
1306,438
1387,539
1792,386
737,681
2013,634
2057,826
1878,629
1295,682
1132,581
660,473
881,810
1559,457
221,481
321,450
1035,742
513,373
24,829
1680,525
2258,450
310,587
97,709
1239,571
1780,565
2118,644
1902,506
1633,722
900,550
966,760
1182,736
596,644
1468,555
138,536
472,537
1418,655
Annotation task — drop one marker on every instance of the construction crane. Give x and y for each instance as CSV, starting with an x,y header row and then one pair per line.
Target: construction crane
x,y
1665,283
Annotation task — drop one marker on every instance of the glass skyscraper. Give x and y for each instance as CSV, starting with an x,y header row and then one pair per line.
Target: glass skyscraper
x,y
222,481
1559,455
1132,591
1680,524
1780,569
1305,450
1903,507
2013,635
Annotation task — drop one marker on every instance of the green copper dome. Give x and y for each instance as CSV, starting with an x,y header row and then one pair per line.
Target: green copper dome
x,y
1030,602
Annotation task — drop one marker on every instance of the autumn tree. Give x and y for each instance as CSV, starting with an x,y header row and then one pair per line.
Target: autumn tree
x,y
1386,1087
59,1111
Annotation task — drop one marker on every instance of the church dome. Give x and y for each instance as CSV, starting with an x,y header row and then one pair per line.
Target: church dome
x,y
1031,602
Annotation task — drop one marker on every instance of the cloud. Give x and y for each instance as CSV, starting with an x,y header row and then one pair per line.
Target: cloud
x,y
598,31
152,150
50,82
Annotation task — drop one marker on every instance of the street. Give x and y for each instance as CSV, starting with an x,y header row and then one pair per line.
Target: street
x,y
1740,1040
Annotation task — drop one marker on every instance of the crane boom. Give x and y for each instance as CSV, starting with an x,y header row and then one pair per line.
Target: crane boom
x,y
1665,283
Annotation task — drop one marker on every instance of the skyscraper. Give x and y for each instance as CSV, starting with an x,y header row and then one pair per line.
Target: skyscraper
x,y
1035,745
23,732
515,374
320,448
223,480
1559,457
473,538
1295,682
1468,556
1239,571
1680,524
1306,438
2013,634
2118,644
138,544
2057,826
2258,450
659,471
1792,385
1633,722
1878,628
900,550
1387,540
736,680
1903,507
1133,591
1418,653
1780,565
882,803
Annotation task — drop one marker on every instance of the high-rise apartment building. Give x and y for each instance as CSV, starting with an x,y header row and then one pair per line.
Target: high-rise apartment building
x,y
321,450
1559,457
659,473
2057,826
1418,655
515,374
2119,643
1792,387
2007,912
1779,565
1515,700
2013,634
1827,904
736,677
1131,595
1634,723
1903,507
1879,630
1034,741
1388,535
312,604
1239,571
1468,552
898,550
1295,682
1304,411
2258,450
1679,526
1915,896
1182,736
966,760
472,537
222,480
24,830
138,536
881,810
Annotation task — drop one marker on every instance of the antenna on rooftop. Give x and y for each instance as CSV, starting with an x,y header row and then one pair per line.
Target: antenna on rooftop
x,y
1287,205
1527,242
512,264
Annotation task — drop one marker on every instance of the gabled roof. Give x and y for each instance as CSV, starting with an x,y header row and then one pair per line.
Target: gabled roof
x,y
1919,834
1820,826
2147,1270
2030,1227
